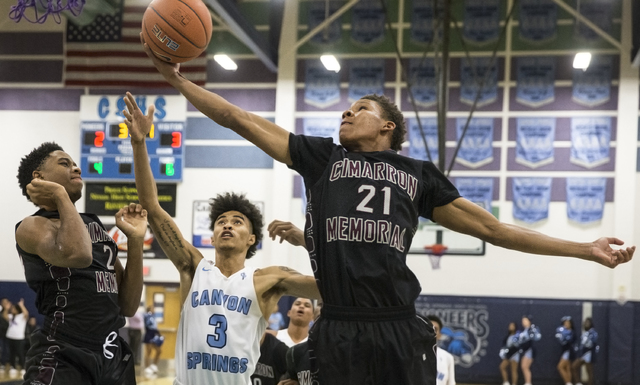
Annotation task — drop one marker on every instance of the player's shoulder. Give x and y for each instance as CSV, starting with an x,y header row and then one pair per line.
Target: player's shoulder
x,y
444,353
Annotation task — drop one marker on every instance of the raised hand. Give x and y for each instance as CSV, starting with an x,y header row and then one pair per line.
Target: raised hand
x,y
139,125
287,231
45,194
166,69
132,220
602,252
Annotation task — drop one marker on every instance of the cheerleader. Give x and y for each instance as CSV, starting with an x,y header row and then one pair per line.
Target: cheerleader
x,y
510,355
566,336
526,338
586,352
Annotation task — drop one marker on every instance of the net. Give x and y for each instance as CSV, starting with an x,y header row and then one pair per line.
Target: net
x,y
37,11
435,253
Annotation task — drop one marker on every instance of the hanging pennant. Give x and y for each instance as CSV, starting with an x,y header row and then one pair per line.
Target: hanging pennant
x,y
422,76
590,139
534,141
322,127
477,190
538,20
599,12
317,15
476,149
593,86
321,86
531,198
416,143
585,199
479,76
366,77
481,21
424,22
536,77
367,23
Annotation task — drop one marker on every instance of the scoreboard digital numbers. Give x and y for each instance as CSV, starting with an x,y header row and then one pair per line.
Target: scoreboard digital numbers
x,y
106,152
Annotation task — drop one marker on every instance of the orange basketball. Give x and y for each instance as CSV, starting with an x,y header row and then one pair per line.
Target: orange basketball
x,y
177,30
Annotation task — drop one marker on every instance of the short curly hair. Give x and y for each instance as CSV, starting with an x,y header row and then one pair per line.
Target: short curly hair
x,y
236,202
393,114
32,162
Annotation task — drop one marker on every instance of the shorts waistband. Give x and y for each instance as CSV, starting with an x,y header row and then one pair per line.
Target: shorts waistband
x,y
368,314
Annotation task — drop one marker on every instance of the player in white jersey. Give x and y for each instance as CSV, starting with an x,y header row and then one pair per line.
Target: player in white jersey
x,y
225,305
300,317
445,361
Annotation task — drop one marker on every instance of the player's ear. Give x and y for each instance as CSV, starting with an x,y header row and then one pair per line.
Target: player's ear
x,y
389,126
252,240
36,174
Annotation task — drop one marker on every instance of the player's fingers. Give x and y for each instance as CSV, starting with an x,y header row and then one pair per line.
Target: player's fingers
x,y
152,109
614,241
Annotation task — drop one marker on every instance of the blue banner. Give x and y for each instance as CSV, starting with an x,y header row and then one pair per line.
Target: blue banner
x,y
423,21
366,76
538,20
590,139
593,86
476,149
536,77
585,199
599,12
534,141
422,76
367,23
481,21
321,86
416,143
531,198
317,14
477,190
322,127
479,76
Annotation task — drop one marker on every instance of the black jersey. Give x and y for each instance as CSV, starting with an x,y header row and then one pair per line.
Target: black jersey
x,y
298,365
80,305
362,213
272,363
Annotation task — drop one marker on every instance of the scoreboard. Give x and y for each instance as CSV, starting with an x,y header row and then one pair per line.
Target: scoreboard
x,y
106,152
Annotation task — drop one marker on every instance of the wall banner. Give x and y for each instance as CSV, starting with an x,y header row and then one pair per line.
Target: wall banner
x,y
481,21
476,149
590,139
593,86
585,199
423,21
317,13
367,23
478,72
321,86
536,77
531,198
422,76
477,190
366,77
534,141
416,144
538,20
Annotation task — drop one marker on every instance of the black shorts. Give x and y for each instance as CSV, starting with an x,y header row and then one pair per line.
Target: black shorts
x,y
58,362
379,346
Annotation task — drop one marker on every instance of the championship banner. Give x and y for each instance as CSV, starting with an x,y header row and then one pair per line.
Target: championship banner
x,y
590,139
321,86
476,149
599,13
366,76
538,20
322,127
422,76
479,72
367,23
531,198
317,14
423,21
585,199
593,86
416,144
536,77
477,190
481,21
534,141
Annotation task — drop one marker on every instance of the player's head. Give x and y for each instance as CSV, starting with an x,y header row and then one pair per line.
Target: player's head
x,y
437,324
236,223
567,322
588,323
49,162
370,118
301,312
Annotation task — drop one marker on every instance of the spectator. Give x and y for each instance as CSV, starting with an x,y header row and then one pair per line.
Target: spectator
x,y
4,325
300,316
17,318
276,320
153,341
136,326
445,361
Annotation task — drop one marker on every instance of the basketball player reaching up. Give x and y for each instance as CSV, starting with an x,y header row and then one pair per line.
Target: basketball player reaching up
x,y
225,305
364,201
83,291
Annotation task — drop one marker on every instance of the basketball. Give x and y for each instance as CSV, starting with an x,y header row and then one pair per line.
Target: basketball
x,y
177,30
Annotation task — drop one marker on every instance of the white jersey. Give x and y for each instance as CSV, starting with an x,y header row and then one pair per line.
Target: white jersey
x,y
446,368
218,339
283,335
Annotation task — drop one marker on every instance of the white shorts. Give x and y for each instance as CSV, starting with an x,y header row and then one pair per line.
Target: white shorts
x,y
587,357
515,357
565,355
528,353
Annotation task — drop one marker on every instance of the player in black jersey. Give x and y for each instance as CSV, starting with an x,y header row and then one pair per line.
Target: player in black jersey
x,y
364,201
272,363
81,287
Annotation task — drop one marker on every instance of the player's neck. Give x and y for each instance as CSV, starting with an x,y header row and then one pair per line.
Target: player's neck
x,y
298,333
229,264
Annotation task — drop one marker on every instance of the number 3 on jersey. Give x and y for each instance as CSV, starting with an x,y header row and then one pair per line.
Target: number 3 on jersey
x,y
371,192
219,339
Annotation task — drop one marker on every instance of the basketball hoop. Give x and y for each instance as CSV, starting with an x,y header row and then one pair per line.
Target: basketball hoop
x,y
435,253
43,8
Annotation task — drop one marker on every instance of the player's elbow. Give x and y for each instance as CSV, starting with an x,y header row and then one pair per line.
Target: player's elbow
x,y
128,311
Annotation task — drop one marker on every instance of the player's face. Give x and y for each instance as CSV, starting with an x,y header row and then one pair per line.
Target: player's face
x,y
232,232
301,311
61,169
436,328
362,125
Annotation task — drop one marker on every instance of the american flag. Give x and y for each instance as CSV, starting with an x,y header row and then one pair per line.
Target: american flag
x,y
107,52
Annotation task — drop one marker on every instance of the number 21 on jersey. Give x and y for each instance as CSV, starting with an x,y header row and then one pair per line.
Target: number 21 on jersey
x,y
371,192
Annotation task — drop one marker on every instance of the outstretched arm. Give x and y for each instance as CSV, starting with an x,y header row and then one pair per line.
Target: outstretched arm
x,y
184,256
466,217
269,137
275,281
287,231
132,221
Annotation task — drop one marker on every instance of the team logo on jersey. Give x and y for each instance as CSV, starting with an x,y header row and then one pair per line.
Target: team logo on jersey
x,y
465,331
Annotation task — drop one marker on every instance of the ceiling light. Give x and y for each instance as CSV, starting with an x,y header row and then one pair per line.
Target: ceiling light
x,y
582,60
225,62
330,63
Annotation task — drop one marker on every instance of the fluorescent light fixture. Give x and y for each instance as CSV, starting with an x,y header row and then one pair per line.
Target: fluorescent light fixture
x,y
330,63
225,62
582,60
